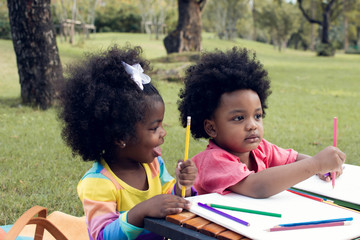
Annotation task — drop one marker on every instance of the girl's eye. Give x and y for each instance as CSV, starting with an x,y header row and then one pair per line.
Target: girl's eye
x,y
238,118
154,129
258,116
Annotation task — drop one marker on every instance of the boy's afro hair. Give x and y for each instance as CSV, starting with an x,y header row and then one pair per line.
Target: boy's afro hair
x,y
100,103
215,74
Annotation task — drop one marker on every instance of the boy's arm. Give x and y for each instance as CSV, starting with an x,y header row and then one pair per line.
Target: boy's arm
x,y
273,180
301,156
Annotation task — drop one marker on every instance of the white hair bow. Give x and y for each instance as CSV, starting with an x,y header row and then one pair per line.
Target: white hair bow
x,y
136,73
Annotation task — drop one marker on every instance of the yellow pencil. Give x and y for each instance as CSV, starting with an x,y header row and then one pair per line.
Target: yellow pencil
x,y
187,139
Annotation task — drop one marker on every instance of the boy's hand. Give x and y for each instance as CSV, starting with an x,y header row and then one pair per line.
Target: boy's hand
x,y
325,177
330,159
186,173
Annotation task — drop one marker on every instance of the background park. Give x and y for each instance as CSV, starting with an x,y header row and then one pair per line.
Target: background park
x,y
312,81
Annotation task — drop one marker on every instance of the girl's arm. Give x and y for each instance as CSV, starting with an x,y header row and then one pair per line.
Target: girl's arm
x,y
160,205
273,180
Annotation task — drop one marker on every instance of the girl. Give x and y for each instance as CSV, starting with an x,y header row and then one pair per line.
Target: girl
x,y
225,95
113,115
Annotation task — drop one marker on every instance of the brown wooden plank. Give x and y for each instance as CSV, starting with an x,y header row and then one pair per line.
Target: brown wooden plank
x,y
180,218
196,223
229,235
212,229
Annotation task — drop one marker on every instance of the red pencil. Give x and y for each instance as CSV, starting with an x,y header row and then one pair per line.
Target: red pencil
x,y
307,196
331,224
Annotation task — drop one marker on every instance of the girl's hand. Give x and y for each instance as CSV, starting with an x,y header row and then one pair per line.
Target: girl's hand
x,y
186,174
165,204
330,160
158,206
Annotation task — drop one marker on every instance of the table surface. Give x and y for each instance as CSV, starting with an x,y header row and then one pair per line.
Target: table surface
x,y
170,230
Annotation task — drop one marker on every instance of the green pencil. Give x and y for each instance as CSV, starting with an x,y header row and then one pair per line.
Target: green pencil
x,y
244,210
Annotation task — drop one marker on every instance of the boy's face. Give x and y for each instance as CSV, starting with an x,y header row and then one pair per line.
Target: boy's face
x,y
237,122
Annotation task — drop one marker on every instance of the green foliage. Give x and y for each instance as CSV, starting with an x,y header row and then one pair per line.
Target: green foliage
x,y
36,167
5,31
281,20
222,17
124,18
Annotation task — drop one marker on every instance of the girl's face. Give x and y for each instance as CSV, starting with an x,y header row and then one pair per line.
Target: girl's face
x,y
149,134
236,125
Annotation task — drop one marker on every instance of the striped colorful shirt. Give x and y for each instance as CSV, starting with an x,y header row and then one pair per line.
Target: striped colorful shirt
x,y
107,199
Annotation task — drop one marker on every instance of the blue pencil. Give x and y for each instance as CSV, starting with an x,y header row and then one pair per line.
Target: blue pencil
x,y
315,222
223,214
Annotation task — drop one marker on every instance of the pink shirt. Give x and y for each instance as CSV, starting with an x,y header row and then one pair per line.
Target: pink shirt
x,y
219,169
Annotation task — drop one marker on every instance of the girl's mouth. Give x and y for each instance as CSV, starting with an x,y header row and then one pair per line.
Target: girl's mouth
x,y
157,151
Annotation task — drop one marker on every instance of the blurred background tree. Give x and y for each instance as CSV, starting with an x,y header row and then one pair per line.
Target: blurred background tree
x,y
187,35
301,24
5,32
37,55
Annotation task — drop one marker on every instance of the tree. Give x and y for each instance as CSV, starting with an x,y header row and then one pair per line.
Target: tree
x,y
37,56
154,14
187,35
224,16
351,16
281,20
329,11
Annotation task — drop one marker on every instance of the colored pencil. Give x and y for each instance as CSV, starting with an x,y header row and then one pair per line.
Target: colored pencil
x,y
315,222
306,195
187,140
321,225
312,195
339,206
244,210
238,220
333,174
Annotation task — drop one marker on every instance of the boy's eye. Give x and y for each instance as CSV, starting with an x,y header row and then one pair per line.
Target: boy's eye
x,y
258,116
238,118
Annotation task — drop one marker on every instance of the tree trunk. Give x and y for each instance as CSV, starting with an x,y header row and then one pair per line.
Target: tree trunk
x,y
312,38
187,36
346,27
325,23
254,18
325,28
37,56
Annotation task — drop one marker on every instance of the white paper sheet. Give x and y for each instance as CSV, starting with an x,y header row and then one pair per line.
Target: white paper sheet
x,y
347,186
293,208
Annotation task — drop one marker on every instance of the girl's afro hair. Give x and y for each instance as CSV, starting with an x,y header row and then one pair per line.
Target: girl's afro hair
x,y
100,103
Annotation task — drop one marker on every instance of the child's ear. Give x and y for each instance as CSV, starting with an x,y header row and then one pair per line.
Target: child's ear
x,y
209,127
120,143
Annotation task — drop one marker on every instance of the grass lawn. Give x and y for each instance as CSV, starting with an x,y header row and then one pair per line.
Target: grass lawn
x,y
36,168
